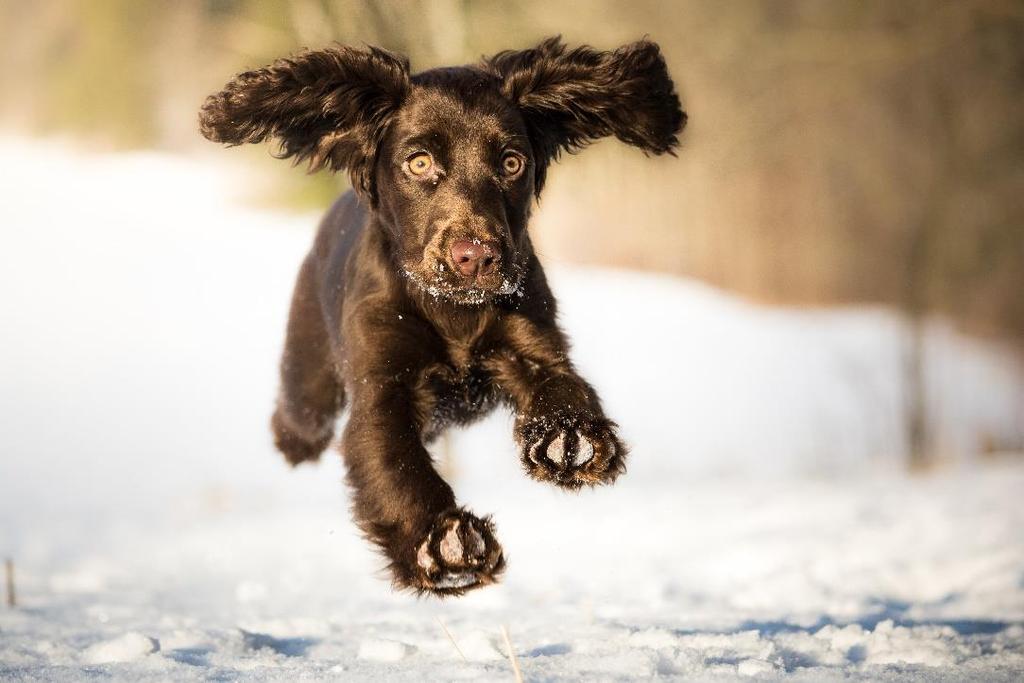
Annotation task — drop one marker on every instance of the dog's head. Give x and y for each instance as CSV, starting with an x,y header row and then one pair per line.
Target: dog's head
x,y
451,159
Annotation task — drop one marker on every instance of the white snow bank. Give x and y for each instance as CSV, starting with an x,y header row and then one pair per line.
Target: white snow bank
x,y
714,380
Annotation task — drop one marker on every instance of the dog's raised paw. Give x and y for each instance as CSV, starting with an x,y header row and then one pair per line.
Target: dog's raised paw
x,y
459,554
571,452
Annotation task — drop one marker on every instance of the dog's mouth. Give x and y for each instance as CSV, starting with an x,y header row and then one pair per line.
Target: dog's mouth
x,y
465,267
441,284
441,280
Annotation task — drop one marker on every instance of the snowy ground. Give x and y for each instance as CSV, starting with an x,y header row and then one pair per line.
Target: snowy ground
x,y
764,529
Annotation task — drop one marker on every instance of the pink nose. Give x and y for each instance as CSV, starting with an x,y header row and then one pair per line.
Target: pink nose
x,y
474,258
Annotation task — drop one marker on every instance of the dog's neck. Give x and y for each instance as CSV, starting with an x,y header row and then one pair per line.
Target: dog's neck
x,y
456,323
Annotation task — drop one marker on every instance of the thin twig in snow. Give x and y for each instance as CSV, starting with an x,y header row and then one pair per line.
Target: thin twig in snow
x,y
452,638
512,655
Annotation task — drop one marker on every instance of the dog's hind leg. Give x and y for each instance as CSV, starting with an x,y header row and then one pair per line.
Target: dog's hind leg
x,y
311,395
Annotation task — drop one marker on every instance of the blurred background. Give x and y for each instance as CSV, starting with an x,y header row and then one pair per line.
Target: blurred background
x,y
837,152
820,299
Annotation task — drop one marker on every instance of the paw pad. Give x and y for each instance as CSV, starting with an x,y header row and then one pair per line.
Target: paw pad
x,y
567,449
572,453
459,553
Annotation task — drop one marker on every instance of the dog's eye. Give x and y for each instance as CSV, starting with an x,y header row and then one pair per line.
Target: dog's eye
x,y
511,164
420,163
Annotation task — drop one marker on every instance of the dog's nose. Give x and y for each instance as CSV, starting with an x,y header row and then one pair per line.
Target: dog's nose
x,y
474,258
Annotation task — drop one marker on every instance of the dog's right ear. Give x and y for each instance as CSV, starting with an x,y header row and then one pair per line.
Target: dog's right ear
x,y
327,107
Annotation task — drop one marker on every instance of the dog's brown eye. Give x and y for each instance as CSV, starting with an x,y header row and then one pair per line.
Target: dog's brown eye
x,y
420,164
511,164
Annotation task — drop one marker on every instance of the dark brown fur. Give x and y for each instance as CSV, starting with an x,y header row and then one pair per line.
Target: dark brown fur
x,y
383,319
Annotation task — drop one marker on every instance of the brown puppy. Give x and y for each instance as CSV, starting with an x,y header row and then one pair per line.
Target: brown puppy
x,y
422,303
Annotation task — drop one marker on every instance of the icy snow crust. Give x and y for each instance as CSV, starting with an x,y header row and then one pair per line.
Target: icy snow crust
x,y
763,530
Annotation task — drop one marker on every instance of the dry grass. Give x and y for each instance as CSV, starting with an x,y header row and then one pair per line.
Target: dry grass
x,y
512,655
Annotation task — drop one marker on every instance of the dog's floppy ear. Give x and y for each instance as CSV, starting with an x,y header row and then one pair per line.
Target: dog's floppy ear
x,y
570,98
328,107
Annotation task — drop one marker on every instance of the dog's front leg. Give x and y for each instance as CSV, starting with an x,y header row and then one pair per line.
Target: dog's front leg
x,y
561,429
402,503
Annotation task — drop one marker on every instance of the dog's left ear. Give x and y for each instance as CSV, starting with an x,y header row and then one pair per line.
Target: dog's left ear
x,y
328,107
570,98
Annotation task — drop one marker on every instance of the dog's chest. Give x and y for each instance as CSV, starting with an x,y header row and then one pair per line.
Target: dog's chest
x,y
460,390
464,393
458,396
